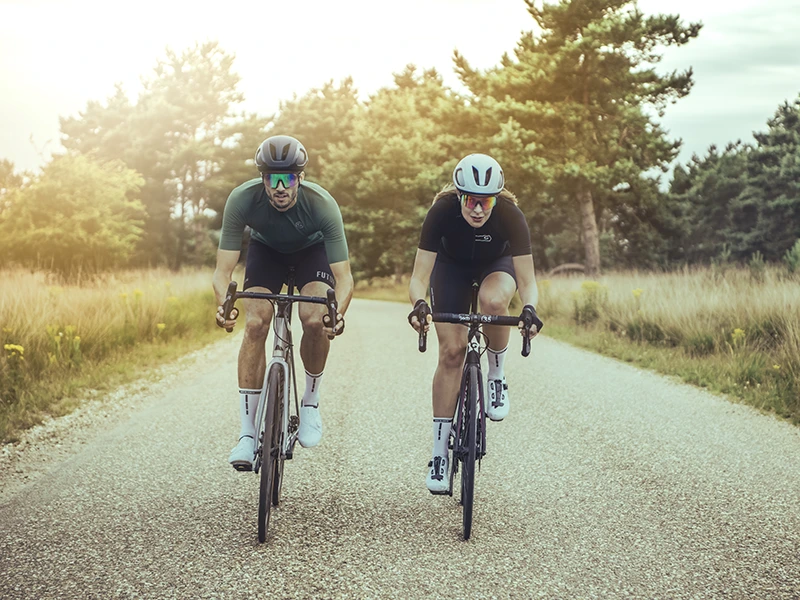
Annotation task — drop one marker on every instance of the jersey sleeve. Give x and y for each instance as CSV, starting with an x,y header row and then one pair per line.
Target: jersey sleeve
x,y
233,222
332,227
430,238
519,235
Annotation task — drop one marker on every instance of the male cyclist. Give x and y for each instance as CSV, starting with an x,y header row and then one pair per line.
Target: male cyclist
x,y
293,223
473,231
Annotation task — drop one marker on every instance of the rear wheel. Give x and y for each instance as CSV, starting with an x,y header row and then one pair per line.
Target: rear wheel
x,y
470,444
270,451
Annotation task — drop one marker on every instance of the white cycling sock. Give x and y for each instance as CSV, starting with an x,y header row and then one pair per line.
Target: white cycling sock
x,y
311,395
248,406
496,361
441,436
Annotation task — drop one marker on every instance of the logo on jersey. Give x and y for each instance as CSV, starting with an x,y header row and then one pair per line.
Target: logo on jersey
x,y
299,224
483,237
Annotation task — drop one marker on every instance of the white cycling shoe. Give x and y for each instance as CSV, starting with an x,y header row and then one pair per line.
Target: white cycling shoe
x,y
310,432
242,455
497,405
438,480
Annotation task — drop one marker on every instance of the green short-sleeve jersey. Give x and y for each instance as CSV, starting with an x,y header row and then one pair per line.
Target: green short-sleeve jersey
x,y
314,218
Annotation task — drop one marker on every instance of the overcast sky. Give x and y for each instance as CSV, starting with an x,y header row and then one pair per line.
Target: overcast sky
x,y
57,55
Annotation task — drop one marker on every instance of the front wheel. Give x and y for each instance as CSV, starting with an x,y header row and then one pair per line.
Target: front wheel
x,y
278,476
470,423
270,450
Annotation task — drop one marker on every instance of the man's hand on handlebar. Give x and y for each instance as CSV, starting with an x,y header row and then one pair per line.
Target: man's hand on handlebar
x,y
421,312
220,318
326,325
529,322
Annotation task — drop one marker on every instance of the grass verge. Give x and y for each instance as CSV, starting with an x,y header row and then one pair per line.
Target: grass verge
x,y
734,332
58,340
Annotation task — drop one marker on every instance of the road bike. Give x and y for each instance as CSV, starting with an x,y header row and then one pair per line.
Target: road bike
x,y
277,421
468,434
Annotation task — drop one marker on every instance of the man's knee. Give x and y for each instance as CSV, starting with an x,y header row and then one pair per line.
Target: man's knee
x,y
452,356
256,326
311,319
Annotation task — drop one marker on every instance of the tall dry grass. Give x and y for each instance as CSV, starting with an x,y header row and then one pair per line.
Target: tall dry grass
x,y
51,333
736,330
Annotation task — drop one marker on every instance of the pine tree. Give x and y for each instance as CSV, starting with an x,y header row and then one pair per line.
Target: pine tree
x,y
581,98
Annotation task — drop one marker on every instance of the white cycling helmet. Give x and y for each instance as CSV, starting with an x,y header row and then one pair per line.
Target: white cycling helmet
x,y
478,174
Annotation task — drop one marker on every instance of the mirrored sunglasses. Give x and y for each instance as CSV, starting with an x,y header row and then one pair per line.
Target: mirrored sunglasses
x,y
486,202
287,179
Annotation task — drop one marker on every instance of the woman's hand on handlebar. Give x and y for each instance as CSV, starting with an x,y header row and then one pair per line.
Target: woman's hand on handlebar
x,y
421,312
529,322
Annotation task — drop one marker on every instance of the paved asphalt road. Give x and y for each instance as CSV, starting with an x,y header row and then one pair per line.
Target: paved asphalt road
x,y
604,482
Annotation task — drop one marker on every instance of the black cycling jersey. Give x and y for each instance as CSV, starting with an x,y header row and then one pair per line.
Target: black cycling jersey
x,y
446,232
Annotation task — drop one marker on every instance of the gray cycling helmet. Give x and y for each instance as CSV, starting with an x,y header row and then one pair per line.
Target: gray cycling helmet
x,y
478,174
281,154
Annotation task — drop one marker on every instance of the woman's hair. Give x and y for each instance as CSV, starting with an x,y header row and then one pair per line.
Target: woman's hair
x,y
449,190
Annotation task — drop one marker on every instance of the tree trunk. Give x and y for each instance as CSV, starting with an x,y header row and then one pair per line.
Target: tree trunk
x,y
591,238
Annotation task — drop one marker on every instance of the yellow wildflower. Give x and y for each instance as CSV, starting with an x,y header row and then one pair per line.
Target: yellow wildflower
x,y
161,326
12,348
637,292
138,293
590,286
776,367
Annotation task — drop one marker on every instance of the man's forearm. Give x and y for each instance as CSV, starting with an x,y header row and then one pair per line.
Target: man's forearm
x,y
220,283
344,293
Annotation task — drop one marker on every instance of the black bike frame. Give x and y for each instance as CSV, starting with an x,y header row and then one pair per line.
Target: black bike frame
x,y
473,359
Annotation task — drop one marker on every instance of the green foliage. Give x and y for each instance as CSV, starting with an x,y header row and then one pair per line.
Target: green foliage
x,y
320,119
382,242
398,155
589,303
792,258
721,264
79,214
177,135
757,267
746,198
579,98
53,338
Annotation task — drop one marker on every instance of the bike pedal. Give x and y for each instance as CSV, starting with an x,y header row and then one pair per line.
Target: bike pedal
x,y
289,455
242,467
444,493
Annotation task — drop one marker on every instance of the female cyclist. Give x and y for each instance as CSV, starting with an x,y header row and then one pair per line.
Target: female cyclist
x,y
474,231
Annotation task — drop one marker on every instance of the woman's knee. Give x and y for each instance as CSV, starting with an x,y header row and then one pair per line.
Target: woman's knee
x,y
494,303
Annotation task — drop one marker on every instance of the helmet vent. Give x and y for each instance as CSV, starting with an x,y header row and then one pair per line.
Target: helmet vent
x,y
459,177
274,152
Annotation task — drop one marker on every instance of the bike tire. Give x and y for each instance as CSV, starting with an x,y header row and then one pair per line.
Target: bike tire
x,y
268,446
470,450
277,485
